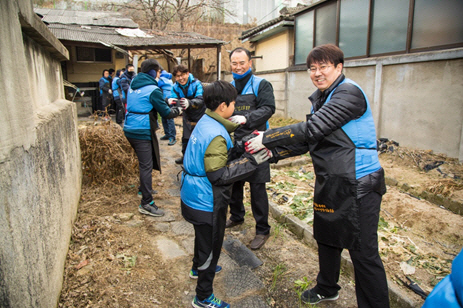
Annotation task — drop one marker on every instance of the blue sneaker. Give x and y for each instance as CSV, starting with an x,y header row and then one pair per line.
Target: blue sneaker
x,y
211,302
194,273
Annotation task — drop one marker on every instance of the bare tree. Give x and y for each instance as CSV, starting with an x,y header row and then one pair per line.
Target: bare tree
x,y
188,9
157,13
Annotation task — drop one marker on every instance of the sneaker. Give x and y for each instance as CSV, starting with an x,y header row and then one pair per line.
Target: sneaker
x,y
164,138
153,192
179,161
211,302
194,273
172,141
312,297
150,209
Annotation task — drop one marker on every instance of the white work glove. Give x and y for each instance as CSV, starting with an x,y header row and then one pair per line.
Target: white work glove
x,y
180,110
262,156
185,103
172,101
255,144
238,119
110,91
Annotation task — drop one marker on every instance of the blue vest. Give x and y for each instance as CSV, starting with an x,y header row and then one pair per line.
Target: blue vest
x,y
362,132
196,189
166,86
252,86
138,108
116,86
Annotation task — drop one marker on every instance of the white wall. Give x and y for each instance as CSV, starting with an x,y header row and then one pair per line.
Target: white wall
x,y
40,169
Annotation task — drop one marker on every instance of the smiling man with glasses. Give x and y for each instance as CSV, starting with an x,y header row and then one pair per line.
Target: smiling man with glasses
x,y
341,138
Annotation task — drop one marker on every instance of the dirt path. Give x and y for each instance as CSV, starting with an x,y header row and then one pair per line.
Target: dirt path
x,y
120,258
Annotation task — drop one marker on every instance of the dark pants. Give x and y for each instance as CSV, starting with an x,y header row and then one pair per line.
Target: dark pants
x,y
208,245
169,128
188,127
370,277
120,110
144,151
259,205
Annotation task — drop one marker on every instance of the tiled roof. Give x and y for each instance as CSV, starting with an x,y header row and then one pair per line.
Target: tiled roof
x,y
94,34
90,18
286,14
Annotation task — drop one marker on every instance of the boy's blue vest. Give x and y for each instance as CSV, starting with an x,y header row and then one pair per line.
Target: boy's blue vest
x,y
362,132
196,189
138,108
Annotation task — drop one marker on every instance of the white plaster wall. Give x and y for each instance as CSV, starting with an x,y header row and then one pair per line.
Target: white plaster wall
x,y
275,52
40,169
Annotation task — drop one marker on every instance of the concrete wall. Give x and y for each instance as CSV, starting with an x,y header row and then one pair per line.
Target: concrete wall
x,y
416,99
275,52
40,170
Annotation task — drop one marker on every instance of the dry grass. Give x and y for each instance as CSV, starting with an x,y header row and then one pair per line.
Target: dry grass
x,y
107,157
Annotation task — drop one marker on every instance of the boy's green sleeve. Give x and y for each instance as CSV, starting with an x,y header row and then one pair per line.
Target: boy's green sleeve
x,y
216,155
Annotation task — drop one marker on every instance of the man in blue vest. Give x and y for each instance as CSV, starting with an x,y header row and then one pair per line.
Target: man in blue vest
x,y
188,93
119,97
144,102
207,178
166,85
340,135
105,91
255,104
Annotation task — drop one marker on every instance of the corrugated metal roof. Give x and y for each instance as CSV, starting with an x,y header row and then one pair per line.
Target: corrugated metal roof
x,y
94,34
91,18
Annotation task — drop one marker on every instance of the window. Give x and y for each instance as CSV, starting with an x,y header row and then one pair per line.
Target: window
x,y
304,34
437,23
389,28
86,54
325,25
353,27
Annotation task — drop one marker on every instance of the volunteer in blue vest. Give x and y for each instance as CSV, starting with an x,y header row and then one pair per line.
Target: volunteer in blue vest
x,y
255,104
166,85
341,138
105,92
208,173
119,97
188,94
144,102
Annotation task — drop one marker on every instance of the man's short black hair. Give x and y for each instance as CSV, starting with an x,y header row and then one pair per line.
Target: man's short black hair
x,y
150,64
327,53
129,65
180,68
239,49
111,71
118,73
102,74
218,92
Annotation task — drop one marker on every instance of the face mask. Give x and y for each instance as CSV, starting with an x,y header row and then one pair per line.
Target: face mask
x,y
130,73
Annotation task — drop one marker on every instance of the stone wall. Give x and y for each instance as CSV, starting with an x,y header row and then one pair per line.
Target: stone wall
x,y
40,168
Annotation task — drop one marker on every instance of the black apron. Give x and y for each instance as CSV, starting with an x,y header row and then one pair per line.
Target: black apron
x,y
245,103
336,212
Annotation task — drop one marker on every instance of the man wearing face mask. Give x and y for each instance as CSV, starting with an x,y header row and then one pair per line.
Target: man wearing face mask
x,y
144,102
126,79
255,104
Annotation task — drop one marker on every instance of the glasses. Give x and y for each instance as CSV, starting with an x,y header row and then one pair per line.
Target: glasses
x,y
322,69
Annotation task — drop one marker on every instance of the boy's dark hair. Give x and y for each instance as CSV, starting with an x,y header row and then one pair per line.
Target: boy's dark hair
x,y
102,74
327,53
129,65
150,64
239,49
180,68
218,92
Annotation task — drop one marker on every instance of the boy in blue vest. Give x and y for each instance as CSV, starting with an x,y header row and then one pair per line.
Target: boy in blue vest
x,y
207,182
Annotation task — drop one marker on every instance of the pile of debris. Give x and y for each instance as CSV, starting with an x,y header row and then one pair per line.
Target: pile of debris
x,y
107,157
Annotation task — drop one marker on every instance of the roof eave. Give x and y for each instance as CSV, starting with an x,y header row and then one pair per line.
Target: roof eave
x,y
269,31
